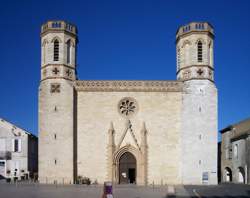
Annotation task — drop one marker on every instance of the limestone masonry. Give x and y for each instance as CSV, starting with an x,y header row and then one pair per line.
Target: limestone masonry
x,y
142,132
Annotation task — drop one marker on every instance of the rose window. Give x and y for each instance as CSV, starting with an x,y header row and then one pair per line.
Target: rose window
x,y
127,107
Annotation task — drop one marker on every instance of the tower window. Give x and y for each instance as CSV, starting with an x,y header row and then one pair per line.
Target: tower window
x,y
199,51
236,150
68,51
56,50
16,145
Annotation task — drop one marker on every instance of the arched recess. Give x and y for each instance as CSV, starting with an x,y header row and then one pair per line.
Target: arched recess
x,y
200,40
44,50
69,51
228,174
140,164
186,52
44,42
56,38
210,53
241,175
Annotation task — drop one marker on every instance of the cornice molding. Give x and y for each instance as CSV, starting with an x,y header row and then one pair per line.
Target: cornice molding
x,y
198,66
198,78
128,86
47,78
58,31
193,32
57,65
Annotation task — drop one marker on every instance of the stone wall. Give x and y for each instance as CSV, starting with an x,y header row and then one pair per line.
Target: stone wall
x,y
199,132
56,127
161,112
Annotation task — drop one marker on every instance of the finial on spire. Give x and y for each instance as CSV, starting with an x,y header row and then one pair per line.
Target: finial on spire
x,y
144,130
111,128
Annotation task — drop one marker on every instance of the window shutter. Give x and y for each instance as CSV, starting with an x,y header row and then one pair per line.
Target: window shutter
x,y
13,145
19,145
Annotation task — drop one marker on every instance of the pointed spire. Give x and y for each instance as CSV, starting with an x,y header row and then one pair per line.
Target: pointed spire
x,y
144,130
144,127
111,127
143,137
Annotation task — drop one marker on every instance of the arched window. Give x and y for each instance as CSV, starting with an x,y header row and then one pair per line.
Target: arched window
x,y
68,52
44,54
178,59
199,51
44,49
236,150
210,54
186,54
56,50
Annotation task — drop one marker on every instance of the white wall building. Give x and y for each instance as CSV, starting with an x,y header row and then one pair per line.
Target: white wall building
x,y
18,152
235,153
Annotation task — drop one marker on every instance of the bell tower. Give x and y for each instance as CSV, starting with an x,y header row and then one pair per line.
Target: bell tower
x,y
194,49
56,102
195,67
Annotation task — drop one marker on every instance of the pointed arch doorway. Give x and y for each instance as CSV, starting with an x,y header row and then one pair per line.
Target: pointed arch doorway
x,y
127,168
132,162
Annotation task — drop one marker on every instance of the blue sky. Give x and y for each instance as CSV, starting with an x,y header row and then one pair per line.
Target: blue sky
x,y
129,39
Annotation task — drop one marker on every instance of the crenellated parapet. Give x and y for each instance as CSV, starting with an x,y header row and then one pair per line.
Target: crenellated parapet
x,y
194,27
57,26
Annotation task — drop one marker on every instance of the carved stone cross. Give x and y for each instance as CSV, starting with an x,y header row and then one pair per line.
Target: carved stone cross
x,y
200,72
68,72
55,71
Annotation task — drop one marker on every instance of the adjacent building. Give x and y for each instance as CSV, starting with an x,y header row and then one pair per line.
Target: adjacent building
x,y
18,152
128,131
235,153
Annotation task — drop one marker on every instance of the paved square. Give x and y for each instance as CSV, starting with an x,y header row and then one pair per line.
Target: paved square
x,y
77,191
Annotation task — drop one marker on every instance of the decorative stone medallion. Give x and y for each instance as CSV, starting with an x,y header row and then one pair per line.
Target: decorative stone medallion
x,y
127,107
55,88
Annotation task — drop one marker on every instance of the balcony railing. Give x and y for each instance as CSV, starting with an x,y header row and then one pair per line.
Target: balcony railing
x,y
5,155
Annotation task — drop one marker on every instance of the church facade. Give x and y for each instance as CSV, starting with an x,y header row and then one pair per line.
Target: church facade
x,y
142,132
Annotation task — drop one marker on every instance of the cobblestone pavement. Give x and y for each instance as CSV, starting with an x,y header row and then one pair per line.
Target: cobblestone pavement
x,y
77,191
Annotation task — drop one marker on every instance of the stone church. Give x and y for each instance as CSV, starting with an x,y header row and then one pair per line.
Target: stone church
x,y
141,132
